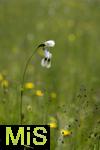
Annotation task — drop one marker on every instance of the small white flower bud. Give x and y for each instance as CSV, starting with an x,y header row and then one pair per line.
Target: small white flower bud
x,y
43,63
49,43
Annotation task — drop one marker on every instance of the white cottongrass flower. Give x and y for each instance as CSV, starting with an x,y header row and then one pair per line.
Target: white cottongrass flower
x,y
49,43
46,61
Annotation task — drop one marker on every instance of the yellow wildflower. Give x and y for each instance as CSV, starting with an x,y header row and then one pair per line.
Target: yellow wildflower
x,y
53,95
5,83
53,125
52,122
39,93
65,132
1,77
29,85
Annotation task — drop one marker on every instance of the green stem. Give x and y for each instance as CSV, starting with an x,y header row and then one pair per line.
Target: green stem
x,y
22,84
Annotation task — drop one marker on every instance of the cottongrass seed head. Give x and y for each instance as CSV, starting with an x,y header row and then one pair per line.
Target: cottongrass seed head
x,y
46,61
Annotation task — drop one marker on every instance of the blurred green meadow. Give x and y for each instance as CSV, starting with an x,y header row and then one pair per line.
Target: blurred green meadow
x,y
66,96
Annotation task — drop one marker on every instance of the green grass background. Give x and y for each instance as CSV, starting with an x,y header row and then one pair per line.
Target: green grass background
x,y
75,71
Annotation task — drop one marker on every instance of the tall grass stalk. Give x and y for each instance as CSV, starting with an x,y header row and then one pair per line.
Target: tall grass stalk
x,y
22,84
